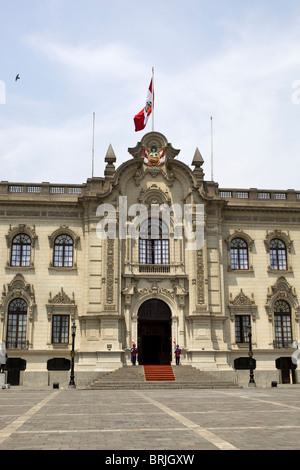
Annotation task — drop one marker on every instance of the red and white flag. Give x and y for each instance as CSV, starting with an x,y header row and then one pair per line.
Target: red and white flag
x,y
141,119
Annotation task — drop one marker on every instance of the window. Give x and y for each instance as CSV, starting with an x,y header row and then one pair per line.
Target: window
x,y
282,321
241,331
60,329
16,324
239,254
277,254
63,251
20,250
154,242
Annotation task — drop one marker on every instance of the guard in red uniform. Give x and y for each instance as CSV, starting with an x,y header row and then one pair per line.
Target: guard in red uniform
x,y
177,352
134,352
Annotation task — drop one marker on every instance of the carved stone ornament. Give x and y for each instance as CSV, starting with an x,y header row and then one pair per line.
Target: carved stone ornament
x,y
240,234
242,304
63,229
21,228
18,287
282,290
61,298
110,272
284,236
155,290
153,146
61,303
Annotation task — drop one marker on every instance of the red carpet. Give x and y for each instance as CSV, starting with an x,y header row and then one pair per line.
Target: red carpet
x,y
156,373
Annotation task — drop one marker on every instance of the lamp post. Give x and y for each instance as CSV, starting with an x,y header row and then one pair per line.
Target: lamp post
x,y
250,354
72,382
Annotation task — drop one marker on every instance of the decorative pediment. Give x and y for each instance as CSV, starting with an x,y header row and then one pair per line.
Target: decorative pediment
x,y
282,290
153,140
61,303
21,228
240,234
242,304
61,298
154,195
18,287
284,236
241,300
64,229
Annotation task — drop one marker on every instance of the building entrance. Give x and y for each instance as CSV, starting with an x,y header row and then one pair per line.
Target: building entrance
x,y
287,367
154,333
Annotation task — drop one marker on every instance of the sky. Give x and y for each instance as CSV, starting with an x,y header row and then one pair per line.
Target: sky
x,y
236,61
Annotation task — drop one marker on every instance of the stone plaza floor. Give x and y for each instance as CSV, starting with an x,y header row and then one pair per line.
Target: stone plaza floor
x,y
162,420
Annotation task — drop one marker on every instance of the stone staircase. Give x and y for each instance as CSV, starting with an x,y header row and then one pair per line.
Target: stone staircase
x,y
133,377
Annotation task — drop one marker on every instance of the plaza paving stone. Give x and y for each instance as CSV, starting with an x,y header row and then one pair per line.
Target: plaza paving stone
x,y
151,420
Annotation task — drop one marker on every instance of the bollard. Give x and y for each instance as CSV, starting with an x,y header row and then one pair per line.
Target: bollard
x,y
274,383
55,385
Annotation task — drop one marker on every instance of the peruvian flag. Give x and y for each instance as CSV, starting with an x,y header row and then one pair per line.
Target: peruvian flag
x,y
140,120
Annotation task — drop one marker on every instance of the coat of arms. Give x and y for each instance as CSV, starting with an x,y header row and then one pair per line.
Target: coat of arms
x,y
154,157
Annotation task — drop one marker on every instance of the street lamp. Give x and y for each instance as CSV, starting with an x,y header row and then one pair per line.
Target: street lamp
x,y
72,382
250,354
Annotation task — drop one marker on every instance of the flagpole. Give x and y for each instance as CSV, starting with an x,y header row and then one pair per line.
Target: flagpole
x,y
212,153
152,99
93,150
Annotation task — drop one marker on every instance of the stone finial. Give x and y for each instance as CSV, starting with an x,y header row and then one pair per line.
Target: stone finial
x,y
197,163
110,159
197,160
110,155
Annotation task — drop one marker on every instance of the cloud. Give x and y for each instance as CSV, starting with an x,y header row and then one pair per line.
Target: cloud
x,y
111,59
245,84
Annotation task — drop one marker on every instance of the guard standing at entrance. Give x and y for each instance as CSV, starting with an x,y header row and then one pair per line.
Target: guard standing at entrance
x,y
134,352
177,354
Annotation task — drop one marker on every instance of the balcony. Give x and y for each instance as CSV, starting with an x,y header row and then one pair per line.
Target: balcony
x,y
136,269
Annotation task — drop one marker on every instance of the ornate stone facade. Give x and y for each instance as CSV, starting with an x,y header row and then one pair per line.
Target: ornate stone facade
x,y
87,254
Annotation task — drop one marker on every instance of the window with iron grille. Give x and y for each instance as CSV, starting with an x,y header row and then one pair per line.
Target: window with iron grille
x,y
16,324
242,195
20,250
225,193
278,255
239,254
154,242
241,330
63,251
282,322
263,195
60,328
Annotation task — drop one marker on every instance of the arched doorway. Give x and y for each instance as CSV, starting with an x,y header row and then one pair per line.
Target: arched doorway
x,y
154,332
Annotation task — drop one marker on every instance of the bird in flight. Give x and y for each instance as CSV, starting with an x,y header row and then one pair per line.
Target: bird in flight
x,y
17,77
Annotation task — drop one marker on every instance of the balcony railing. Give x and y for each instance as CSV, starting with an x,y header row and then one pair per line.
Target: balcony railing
x,y
154,268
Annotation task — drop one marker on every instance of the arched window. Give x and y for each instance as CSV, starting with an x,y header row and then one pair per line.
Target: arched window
x,y
154,242
16,324
282,322
20,250
239,254
63,251
277,254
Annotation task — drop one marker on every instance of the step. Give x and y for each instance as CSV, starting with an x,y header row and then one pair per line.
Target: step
x,y
158,373
172,377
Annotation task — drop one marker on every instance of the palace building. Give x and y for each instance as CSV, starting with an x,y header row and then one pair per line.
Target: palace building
x,y
150,253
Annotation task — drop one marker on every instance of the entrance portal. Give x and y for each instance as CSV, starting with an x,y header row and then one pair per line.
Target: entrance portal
x,y
287,367
154,333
